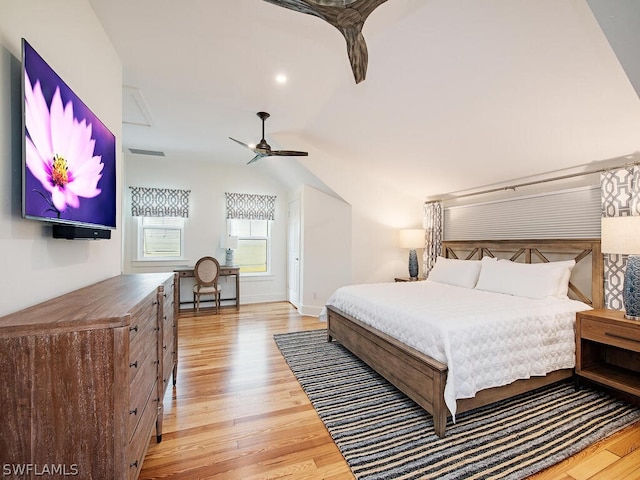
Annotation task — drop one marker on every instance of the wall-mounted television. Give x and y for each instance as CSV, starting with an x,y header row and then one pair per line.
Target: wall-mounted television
x,y
69,155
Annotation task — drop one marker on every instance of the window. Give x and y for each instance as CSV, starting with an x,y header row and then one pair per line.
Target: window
x,y
160,238
254,245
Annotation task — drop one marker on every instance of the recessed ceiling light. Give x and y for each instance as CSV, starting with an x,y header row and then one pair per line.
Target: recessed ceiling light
x,y
281,78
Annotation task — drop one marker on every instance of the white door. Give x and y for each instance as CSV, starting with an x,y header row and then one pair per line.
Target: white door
x,y
293,254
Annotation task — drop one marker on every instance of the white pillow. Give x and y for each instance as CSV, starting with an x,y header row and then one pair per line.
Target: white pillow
x,y
535,280
566,267
563,286
461,273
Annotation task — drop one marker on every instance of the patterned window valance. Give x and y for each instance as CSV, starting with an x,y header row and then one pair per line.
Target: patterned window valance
x,y
159,202
250,207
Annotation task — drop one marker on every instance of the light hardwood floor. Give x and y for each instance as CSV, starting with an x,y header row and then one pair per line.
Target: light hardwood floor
x,y
239,413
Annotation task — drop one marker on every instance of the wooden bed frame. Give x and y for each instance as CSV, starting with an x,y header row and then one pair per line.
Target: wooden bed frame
x,y
421,377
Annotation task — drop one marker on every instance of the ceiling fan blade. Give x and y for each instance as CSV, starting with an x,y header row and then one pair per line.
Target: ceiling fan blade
x,y
243,144
348,18
256,158
288,153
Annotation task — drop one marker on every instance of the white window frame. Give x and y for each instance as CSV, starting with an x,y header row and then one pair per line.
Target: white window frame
x,y
140,256
231,230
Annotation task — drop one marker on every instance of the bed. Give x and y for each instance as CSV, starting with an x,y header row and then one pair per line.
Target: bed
x,y
424,378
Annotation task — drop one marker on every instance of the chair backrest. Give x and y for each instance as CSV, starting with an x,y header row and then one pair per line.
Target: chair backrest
x,y
207,270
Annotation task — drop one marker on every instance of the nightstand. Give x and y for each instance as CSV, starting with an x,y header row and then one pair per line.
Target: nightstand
x,y
608,349
408,279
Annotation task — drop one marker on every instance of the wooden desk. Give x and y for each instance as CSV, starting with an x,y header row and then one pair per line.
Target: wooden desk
x,y
187,272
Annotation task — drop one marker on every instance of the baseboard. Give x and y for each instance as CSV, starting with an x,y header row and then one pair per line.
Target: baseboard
x,y
261,298
310,311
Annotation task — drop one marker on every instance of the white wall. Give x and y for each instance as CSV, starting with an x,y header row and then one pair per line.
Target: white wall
x,y
325,248
378,211
68,36
208,183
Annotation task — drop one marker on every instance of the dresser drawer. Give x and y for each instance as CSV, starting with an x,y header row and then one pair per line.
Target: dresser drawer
x,y
142,325
141,385
614,334
139,441
168,339
169,297
145,344
167,368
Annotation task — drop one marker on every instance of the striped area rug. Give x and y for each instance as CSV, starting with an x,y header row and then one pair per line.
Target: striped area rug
x,y
384,435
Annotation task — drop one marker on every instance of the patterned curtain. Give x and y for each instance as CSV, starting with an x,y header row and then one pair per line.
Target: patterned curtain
x,y
434,228
159,202
250,207
620,197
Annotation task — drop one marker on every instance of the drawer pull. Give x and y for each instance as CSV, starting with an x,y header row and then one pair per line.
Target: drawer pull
x,y
134,364
621,337
155,302
134,411
164,347
134,464
164,295
133,329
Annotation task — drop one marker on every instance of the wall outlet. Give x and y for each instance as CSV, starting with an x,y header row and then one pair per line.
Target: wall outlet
x,y
315,295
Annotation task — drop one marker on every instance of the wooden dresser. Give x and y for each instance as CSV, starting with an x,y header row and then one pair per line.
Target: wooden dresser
x,y
82,378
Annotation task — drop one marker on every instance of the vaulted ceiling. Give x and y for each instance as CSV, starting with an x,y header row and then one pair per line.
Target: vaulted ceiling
x,y
458,93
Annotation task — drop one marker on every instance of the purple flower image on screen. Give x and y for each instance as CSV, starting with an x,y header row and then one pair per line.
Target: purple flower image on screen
x,y
69,154
60,149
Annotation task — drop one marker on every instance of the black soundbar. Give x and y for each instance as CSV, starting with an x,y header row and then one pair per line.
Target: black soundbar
x,y
72,232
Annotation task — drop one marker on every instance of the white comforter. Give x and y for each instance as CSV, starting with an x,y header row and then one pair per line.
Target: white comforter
x,y
486,339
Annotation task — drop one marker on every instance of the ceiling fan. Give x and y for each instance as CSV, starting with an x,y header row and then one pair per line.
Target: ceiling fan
x,y
348,16
263,149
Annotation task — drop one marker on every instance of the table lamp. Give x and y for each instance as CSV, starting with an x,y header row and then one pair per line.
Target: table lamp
x,y
622,235
412,238
229,243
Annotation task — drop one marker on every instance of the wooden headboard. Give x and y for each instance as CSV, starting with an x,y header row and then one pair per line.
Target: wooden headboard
x,y
538,251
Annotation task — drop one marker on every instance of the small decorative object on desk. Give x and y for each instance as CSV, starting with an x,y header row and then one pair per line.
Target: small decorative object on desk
x,y
229,243
621,235
412,239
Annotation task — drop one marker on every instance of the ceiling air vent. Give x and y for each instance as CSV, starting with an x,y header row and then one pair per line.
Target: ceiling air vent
x,y
140,151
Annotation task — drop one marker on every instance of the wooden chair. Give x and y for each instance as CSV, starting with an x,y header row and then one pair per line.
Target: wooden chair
x,y
207,271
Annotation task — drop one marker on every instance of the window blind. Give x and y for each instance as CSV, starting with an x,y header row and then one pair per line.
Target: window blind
x,y
159,202
572,213
250,206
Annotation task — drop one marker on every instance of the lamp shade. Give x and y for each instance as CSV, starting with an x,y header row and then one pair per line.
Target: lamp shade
x,y
621,235
229,241
411,238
